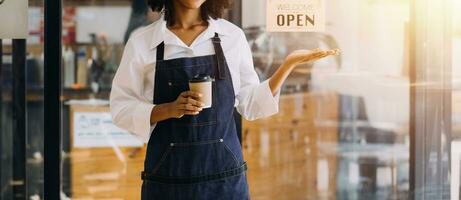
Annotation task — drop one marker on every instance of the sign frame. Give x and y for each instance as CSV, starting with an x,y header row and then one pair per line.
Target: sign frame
x,y
295,15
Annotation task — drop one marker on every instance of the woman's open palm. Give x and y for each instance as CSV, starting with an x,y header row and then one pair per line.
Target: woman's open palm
x,y
304,56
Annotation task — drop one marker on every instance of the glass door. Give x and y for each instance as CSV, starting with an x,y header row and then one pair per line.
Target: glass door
x,y
21,109
373,123
343,127
99,160
380,121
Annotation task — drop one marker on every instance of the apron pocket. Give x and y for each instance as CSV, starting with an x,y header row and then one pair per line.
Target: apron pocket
x,y
206,117
195,159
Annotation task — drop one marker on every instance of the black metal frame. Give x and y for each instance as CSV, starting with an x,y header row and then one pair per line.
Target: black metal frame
x,y
52,103
412,73
1,115
19,119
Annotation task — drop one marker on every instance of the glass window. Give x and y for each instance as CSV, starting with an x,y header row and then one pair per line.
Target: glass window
x,y
11,152
347,125
343,127
99,160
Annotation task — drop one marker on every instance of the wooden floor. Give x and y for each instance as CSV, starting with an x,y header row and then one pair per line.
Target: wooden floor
x,y
281,152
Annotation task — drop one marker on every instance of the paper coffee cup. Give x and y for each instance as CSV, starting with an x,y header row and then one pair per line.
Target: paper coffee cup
x,y
203,85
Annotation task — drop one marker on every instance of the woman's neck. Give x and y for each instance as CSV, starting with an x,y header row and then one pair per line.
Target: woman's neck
x,y
186,18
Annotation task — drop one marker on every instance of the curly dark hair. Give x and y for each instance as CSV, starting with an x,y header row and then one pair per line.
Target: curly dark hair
x,y
210,8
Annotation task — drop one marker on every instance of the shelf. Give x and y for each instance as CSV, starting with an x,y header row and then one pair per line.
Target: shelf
x,y
36,94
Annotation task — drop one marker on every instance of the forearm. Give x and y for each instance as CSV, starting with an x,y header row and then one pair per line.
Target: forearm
x,y
160,112
278,78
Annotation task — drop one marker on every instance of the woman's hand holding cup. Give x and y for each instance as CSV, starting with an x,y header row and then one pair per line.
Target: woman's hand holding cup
x,y
187,103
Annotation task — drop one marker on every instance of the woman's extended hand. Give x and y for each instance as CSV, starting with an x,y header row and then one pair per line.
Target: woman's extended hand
x,y
186,104
294,59
304,56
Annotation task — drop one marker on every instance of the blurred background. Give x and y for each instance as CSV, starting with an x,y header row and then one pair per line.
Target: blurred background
x,y
380,121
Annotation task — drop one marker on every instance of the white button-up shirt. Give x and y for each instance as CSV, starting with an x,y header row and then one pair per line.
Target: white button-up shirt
x,y
131,98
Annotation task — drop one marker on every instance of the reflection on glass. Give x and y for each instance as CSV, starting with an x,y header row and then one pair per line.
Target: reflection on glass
x,y
343,127
34,138
6,129
99,159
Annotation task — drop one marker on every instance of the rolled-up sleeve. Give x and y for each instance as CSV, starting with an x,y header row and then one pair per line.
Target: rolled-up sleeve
x,y
255,99
130,110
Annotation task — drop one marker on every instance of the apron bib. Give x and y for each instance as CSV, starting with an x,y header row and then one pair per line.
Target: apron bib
x,y
195,156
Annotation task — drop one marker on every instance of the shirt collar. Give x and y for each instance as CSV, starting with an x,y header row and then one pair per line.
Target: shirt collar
x,y
160,31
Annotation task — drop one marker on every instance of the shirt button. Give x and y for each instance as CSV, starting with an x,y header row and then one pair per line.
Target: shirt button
x,y
190,51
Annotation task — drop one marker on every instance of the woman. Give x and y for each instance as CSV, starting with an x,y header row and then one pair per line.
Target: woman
x,y
193,153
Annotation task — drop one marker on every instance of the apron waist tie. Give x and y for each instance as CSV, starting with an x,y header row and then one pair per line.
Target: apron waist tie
x,y
194,179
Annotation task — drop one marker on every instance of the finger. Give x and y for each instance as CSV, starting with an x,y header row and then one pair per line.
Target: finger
x,y
191,94
316,50
186,112
182,100
322,56
194,102
316,55
190,100
189,107
333,52
337,51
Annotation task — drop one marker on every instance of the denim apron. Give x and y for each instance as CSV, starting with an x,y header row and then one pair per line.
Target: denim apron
x,y
195,156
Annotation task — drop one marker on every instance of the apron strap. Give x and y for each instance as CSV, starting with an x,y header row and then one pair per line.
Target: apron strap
x,y
160,51
220,58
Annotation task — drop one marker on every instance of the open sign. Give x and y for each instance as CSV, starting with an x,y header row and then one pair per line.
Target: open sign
x,y
298,20
295,15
